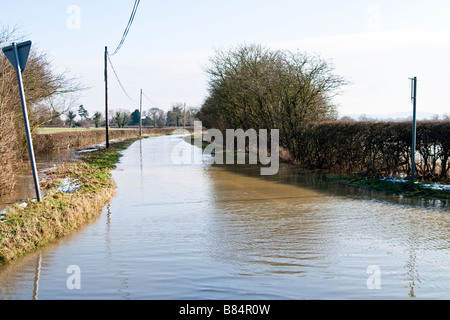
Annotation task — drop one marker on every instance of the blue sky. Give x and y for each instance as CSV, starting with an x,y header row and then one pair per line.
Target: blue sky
x,y
377,45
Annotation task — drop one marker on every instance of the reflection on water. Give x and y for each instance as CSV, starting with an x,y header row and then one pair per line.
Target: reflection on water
x,y
205,232
36,278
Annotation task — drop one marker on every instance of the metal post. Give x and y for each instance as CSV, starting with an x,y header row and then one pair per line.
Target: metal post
x,y
106,98
140,116
27,124
413,147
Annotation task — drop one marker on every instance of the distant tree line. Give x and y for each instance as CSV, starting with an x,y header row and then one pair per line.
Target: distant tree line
x,y
365,118
177,116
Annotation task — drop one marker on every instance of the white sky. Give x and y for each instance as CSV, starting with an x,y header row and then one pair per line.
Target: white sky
x,y
377,45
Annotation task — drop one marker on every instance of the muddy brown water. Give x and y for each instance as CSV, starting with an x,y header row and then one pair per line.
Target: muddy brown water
x,y
224,232
25,188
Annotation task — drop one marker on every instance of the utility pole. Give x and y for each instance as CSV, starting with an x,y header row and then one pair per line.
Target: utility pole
x,y
140,116
413,147
106,98
184,120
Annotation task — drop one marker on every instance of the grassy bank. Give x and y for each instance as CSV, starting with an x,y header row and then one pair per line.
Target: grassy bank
x,y
25,228
406,188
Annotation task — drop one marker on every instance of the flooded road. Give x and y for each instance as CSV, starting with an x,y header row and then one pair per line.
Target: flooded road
x,y
186,231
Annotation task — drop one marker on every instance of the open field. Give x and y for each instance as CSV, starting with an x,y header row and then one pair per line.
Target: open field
x,y
56,130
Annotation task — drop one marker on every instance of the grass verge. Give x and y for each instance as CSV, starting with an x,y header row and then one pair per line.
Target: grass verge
x,y
26,228
387,186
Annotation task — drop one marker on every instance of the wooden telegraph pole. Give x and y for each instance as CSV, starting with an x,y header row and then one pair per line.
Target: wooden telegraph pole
x,y
106,98
184,117
413,146
140,116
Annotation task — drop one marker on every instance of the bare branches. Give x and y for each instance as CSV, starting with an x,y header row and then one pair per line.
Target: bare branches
x,y
256,87
48,94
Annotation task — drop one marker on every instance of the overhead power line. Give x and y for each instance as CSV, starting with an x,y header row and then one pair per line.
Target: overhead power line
x,y
107,58
118,80
149,99
127,29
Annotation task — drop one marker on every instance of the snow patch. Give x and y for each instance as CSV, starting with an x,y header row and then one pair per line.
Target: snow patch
x,y
2,215
69,185
4,211
433,186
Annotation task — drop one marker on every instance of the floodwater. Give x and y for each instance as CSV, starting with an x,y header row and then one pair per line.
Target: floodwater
x,y
25,188
187,231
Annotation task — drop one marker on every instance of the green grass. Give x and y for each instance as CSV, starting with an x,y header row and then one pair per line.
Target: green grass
x,y
107,158
385,186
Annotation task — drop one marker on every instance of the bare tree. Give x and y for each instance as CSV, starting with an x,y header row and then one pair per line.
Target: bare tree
x,y
52,108
153,113
42,85
256,87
